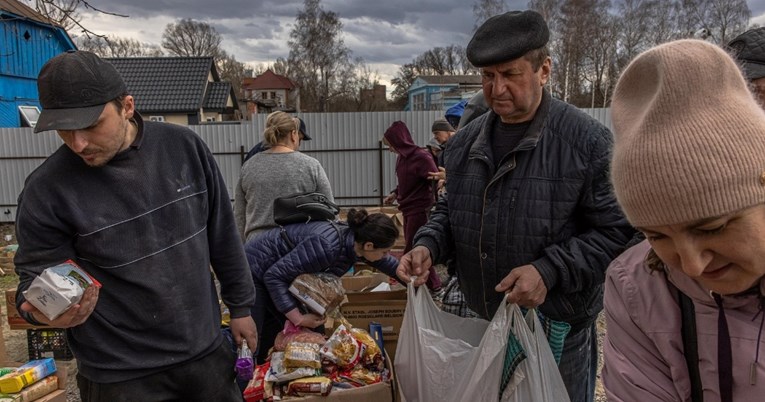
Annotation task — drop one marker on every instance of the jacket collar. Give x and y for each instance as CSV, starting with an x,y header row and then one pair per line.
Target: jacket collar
x,y
481,147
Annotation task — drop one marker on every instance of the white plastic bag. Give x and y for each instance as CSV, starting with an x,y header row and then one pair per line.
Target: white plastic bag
x,y
537,377
443,357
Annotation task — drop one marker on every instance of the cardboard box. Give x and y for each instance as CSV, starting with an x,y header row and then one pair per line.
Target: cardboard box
x,y
380,392
389,313
15,321
62,374
357,288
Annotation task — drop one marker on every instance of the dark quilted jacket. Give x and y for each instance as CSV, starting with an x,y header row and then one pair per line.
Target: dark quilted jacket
x,y
549,204
319,247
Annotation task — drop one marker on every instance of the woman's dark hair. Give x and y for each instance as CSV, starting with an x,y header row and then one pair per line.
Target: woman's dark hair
x,y
378,228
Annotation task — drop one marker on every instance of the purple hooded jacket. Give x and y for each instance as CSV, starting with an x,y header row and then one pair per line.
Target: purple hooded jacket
x,y
413,164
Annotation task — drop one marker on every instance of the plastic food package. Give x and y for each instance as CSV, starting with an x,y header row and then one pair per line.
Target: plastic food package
x,y
293,333
321,292
258,388
343,349
27,375
372,355
278,373
298,354
310,386
33,392
58,288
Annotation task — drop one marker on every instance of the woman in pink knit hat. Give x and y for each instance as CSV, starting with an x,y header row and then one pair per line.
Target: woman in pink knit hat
x,y
684,309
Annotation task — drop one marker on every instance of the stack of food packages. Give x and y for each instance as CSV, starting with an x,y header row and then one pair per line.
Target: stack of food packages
x,y
31,381
303,363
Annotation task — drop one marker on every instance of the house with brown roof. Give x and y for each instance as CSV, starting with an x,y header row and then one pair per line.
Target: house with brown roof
x,y
269,92
180,90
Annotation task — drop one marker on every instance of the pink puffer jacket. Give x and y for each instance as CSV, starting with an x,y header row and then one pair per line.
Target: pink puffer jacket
x,y
643,349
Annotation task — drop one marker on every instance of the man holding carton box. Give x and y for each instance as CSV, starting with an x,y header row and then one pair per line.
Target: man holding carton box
x,y
141,207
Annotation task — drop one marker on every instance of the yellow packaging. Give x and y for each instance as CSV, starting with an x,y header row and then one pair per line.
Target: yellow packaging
x,y
36,391
27,375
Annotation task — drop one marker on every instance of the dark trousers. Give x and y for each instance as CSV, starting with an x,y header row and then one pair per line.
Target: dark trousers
x,y
413,222
210,378
269,322
579,364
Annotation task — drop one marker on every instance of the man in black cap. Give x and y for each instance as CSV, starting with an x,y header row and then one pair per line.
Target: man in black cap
x,y
749,49
529,210
261,146
142,207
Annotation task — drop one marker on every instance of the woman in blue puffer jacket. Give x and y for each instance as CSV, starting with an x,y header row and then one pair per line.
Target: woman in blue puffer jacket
x,y
276,258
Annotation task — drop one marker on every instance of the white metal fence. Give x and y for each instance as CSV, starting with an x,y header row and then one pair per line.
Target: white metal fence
x,y
348,145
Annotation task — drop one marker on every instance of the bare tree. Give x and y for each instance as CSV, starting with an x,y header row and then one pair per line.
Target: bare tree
x,y
485,9
722,19
232,71
191,38
449,60
319,60
65,13
114,46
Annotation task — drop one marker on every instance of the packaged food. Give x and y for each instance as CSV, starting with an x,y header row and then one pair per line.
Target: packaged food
x,y
58,288
321,292
310,386
298,354
372,355
34,391
293,333
26,375
342,348
258,388
278,373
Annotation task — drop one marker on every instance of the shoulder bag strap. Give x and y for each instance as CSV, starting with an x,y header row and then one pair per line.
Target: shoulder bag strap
x,y
286,238
691,346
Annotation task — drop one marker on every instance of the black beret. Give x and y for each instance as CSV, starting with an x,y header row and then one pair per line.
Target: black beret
x,y
749,49
507,37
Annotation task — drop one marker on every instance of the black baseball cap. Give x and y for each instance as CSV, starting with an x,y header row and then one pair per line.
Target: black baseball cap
x,y
74,88
303,130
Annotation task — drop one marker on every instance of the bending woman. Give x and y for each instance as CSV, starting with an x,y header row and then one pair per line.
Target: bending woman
x,y
329,247
688,170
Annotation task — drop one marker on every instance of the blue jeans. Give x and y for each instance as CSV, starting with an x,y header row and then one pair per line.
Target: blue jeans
x,y
579,364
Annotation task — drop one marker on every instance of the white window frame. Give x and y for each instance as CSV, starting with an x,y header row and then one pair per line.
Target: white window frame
x,y
160,119
23,110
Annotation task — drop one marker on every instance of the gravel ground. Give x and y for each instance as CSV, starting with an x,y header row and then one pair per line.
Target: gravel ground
x,y
16,340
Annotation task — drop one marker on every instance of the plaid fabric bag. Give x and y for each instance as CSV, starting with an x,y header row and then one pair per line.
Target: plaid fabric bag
x,y
453,301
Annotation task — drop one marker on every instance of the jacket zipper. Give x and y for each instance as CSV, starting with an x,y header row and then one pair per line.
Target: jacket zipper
x,y
511,165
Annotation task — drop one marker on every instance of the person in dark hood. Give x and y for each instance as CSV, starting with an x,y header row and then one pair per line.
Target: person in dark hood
x,y
413,193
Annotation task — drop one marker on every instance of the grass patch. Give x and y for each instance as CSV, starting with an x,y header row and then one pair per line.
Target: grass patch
x,y
9,282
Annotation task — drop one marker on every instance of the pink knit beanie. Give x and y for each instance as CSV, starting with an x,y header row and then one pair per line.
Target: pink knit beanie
x,y
689,136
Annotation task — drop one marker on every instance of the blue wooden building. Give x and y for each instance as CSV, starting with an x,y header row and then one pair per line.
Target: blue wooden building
x,y
27,41
440,92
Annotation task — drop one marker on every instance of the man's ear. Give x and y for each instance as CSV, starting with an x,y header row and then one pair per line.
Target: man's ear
x,y
368,246
546,69
128,106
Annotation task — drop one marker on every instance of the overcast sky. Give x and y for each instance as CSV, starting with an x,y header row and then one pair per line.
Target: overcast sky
x,y
385,33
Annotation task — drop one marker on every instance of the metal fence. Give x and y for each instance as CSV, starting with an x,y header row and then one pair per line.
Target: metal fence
x,y
348,145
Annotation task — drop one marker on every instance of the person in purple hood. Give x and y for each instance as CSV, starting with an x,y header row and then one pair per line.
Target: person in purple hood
x,y
413,193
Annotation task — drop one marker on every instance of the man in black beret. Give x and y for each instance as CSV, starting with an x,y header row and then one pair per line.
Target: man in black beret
x,y
749,49
530,212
